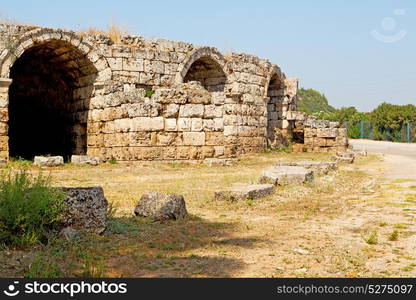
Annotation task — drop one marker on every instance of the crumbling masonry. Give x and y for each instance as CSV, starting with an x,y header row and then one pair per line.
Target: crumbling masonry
x,y
64,93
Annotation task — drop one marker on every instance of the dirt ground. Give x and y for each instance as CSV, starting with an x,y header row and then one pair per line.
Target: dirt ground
x,y
358,221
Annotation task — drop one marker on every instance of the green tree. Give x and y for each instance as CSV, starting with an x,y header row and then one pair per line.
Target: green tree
x,y
312,101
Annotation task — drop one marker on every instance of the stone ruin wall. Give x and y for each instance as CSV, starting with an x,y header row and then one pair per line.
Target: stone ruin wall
x,y
137,99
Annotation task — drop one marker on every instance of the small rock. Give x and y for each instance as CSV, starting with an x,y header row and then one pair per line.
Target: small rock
x,y
301,251
69,233
242,191
48,161
85,160
283,175
160,206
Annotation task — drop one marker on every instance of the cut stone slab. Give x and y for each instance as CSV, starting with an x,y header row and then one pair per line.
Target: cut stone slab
x,y
86,209
243,191
211,162
284,175
344,157
85,160
318,167
48,161
160,206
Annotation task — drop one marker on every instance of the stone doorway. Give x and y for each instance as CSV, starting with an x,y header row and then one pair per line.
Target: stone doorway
x,y
52,83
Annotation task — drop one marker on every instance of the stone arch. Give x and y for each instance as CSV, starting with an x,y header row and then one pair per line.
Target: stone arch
x,y
53,75
274,93
274,82
207,66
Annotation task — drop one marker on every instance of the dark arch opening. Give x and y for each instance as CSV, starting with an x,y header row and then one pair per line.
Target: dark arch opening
x,y
49,100
275,93
209,73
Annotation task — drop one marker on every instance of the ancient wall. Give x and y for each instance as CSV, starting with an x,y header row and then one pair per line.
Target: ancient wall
x,y
135,99
313,135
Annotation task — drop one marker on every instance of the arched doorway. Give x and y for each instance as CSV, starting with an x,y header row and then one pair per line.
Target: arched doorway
x,y
209,73
275,107
52,83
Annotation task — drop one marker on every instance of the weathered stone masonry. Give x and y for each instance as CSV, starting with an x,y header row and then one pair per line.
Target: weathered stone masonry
x,y
63,93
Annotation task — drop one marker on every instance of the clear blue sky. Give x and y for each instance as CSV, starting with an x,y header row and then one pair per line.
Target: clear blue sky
x,y
327,44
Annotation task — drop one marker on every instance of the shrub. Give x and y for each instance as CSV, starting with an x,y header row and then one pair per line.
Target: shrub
x,y
29,207
394,236
372,239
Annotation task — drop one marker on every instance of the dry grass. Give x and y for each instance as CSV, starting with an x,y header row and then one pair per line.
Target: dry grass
x,y
114,32
243,239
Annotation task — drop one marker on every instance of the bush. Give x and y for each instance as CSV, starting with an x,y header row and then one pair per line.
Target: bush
x,y
29,207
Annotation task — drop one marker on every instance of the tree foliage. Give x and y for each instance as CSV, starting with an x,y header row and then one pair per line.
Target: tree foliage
x,y
312,101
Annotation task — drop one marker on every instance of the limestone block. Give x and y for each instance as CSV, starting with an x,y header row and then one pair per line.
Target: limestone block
x,y
198,96
318,167
135,65
149,109
214,138
154,66
230,130
194,138
160,207
85,209
326,132
212,111
283,175
184,124
147,124
171,125
191,110
196,124
219,151
209,125
85,160
115,64
242,191
170,96
218,124
48,161
120,125
171,110
218,98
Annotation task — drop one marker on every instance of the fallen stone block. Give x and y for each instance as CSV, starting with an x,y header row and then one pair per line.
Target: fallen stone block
x,y
160,206
211,162
344,157
86,209
242,191
85,160
318,167
340,159
48,161
284,175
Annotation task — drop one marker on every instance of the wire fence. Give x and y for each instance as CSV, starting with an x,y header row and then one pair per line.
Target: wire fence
x,y
365,130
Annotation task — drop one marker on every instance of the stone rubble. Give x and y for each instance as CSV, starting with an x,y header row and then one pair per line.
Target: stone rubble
x,y
285,175
85,209
48,161
243,191
161,207
85,160
318,167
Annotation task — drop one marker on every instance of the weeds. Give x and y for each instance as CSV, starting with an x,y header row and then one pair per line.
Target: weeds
x,y
92,267
372,239
394,236
29,206
41,267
